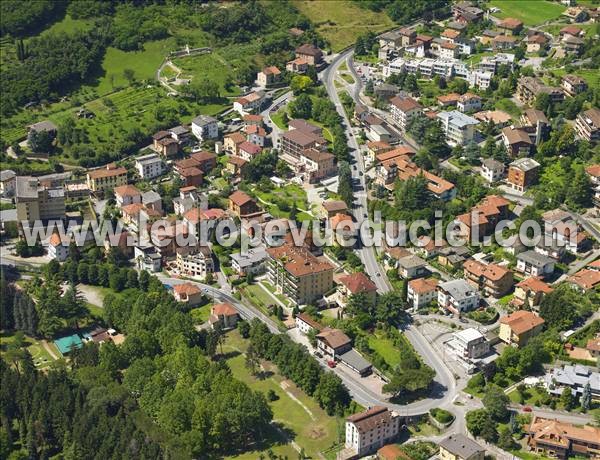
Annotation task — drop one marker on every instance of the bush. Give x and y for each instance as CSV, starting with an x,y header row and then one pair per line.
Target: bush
x,y
272,396
441,415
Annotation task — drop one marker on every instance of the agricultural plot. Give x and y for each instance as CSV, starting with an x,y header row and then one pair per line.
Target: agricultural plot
x,y
531,12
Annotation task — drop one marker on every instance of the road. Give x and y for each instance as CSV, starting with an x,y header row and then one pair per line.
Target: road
x,y
444,388
266,114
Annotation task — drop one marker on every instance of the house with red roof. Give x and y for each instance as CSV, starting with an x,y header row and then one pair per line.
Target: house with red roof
x,y
223,314
188,293
354,284
530,291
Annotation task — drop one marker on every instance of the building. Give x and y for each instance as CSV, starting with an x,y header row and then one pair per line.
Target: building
x,y
458,127
519,327
248,150
533,263
510,26
575,377
58,249
469,344
301,137
205,127
503,42
305,323
587,125
469,102
149,166
8,182
403,109
522,173
298,274
236,166
106,178
411,267
268,76
536,124
354,284
310,53
492,170
448,100
529,88
181,134
465,12
585,279
197,263
572,45
492,279
530,292
249,103
232,142
242,205
330,208
517,141
560,440
298,65
223,314
536,42
370,430
147,258
256,135
482,220
459,447
573,85
421,292
333,342
251,262
188,293
127,194
457,296
164,144
36,202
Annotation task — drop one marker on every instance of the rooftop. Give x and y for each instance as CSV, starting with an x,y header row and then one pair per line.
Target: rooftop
x,y
457,118
461,446
525,164
522,321
458,289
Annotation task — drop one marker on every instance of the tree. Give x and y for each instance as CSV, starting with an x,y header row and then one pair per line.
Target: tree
x,y
480,423
472,153
580,192
331,394
505,439
129,75
252,362
300,84
40,141
301,107
73,308
543,102
496,402
567,399
586,397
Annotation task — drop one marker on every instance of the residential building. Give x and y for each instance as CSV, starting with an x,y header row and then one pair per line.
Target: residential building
x,y
593,173
587,125
232,142
197,263
236,166
243,205
510,26
370,430
8,182
223,314
571,30
333,342
466,12
421,292
330,208
164,144
205,127
298,65
127,194
469,344
152,200
457,296
256,135
354,284
453,256
298,274
519,327
469,102
535,264
522,173
251,262
106,178
492,279
248,150
191,176
37,202
204,160
536,42
492,170
575,377
558,439
181,134
403,109
188,199
149,166
503,42
529,88
411,267
572,85
253,120
572,45
459,447
585,279
249,103
447,50
58,249
482,220
458,127
536,124
517,141
448,100
530,292
188,293
305,323
376,148
147,258
268,76
300,137
593,347
309,52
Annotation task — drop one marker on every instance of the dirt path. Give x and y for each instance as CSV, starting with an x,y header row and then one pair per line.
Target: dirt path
x,y
48,348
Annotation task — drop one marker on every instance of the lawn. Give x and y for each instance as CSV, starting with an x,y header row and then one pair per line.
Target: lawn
x,y
201,314
348,78
41,357
508,106
592,77
295,412
531,12
342,21
68,25
277,118
212,67
279,201
385,348
257,295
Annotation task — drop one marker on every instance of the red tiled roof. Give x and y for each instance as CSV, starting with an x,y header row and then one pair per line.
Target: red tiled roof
x,y
358,282
223,309
522,321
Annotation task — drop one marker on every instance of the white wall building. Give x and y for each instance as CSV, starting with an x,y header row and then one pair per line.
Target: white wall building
x,y
370,430
458,127
205,127
457,296
150,166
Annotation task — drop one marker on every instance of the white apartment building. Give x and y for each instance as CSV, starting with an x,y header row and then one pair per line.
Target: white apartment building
x,y
457,296
57,248
205,127
458,127
198,263
469,344
421,292
370,430
403,109
492,170
535,264
150,166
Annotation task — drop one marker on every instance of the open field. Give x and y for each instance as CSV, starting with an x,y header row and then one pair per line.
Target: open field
x,y
211,66
41,357
68,25
385,348
591,76
297,414
342,21
531,12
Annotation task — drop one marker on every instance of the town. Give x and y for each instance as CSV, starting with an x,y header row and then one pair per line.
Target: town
x,y
159,299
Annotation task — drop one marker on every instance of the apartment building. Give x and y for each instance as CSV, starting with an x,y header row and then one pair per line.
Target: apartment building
x,y
457,296
587,125
268,76
522,173
469,344
298,274
468,102
127,194
250,262
242,205
516,141
149,166
333,343
560,439
248,150
205,127
305,323
492,170
197,263
354,284
58,249
106,178
403,109
535,264
482,220
310,53
301,136
459,447
572,85
530,292
536,124
575,377
249,103
529,88
7,182
164,144
421,292
458,127
37,202
492,279
519,327
370,430
232,142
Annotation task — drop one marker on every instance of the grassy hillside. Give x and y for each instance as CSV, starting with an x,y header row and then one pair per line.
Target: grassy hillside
x,y
341,21
531,12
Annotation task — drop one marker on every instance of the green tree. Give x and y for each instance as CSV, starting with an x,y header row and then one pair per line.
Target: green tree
x,y
496,402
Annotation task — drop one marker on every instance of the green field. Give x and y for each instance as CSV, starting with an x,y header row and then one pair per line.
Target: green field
x,y
385,348
531,12
68,25
342,21
297,414
208,66
41,357
591,76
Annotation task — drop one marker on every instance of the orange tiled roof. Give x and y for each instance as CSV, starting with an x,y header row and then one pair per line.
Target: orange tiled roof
x,y
522,321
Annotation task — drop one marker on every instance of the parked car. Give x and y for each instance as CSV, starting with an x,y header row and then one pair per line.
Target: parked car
x,y
331,364
527,409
